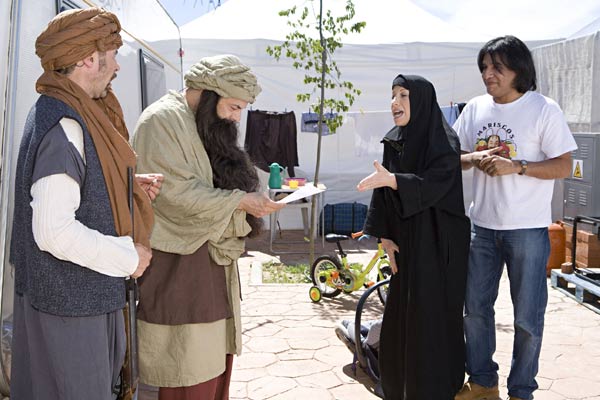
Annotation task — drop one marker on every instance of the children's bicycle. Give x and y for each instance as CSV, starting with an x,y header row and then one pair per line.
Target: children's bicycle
x,y
333,275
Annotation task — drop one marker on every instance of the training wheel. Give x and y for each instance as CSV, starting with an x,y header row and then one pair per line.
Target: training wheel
x,y
315,294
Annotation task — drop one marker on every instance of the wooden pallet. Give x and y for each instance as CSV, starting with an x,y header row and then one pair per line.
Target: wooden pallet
x,y
583,291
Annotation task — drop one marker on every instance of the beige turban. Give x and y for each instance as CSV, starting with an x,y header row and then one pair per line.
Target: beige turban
x,y
74,35
225,75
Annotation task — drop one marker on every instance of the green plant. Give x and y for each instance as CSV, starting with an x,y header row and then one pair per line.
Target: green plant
x,y
310,54
276,272
315,57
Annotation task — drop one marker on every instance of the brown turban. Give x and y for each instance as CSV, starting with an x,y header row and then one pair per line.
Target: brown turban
x,y
74,35
225,75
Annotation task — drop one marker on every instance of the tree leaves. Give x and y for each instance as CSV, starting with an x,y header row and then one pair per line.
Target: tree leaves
x,y
306,54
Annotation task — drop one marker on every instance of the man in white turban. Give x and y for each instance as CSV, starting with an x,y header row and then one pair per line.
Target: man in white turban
x,y
189,312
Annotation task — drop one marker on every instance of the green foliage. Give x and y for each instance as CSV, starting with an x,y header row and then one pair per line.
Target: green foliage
x,y
306,54
275,272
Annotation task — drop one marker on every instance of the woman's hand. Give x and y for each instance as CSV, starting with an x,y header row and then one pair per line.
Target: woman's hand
x,y
477,157
380,178
390,249
151,183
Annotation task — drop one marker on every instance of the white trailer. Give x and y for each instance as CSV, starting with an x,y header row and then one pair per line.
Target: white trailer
x,y
146,74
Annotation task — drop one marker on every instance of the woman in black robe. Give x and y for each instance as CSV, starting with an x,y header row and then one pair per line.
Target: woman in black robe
x,y
417,210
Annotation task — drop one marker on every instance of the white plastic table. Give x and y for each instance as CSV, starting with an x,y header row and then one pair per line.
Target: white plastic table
x,y
304,206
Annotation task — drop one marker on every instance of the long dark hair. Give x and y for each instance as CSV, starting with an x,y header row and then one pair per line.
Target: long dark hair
x,y
516,56
231,165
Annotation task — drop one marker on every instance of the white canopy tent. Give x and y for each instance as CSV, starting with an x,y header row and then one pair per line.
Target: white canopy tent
x,y
589,29
398,21
569,72
371,60
400,37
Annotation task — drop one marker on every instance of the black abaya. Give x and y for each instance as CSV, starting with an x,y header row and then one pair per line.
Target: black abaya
x,y
422,341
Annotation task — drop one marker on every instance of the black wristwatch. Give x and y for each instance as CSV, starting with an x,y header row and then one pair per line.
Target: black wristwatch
x,y
523,167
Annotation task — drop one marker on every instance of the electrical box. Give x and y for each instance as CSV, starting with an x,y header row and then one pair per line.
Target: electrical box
x,y
582,188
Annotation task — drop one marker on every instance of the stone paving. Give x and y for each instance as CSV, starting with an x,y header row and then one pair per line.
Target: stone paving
x,y
291,350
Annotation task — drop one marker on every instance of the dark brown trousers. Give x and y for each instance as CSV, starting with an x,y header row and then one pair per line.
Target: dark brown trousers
x,y
214,389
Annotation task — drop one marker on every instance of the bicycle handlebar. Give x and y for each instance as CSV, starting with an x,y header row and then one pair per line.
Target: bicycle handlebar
x,y
356,234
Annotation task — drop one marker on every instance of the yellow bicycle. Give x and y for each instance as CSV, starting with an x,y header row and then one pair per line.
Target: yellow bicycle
x,y
333,275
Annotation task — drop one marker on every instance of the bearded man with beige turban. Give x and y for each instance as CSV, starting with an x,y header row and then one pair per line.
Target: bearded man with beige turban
x,y
189,323
72,244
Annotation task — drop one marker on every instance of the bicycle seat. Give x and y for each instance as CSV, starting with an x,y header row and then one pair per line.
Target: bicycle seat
x,y
335,238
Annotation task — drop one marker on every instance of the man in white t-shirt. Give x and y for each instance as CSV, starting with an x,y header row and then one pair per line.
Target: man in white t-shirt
x,y
511,211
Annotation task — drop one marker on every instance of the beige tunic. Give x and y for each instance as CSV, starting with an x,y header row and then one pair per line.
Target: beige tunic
x,y
188,213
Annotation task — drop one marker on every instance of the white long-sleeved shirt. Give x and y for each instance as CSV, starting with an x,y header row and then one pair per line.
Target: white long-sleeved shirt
x,y
55,229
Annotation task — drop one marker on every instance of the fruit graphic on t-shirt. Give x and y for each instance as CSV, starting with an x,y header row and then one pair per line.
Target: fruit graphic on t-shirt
x,y
512,149
507,147
481,145
505,152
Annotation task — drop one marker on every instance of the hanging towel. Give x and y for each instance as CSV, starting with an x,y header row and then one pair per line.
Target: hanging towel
x,y
272,137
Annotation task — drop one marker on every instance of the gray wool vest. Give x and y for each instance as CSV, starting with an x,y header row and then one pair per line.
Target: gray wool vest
x,y
52,285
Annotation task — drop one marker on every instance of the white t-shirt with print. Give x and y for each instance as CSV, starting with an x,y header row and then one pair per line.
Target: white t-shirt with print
x,y
531,128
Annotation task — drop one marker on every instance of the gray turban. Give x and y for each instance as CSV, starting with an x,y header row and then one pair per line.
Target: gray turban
x,y
225,75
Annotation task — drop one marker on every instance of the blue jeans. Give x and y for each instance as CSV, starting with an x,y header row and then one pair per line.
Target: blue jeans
x,y
525,252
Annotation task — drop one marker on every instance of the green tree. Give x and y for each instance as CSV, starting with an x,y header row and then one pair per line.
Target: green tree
x,y
321,72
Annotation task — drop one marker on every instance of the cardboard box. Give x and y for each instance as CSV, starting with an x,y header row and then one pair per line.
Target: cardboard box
x,y
588,248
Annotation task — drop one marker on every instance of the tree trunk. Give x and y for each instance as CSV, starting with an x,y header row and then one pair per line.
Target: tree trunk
x,y
313,209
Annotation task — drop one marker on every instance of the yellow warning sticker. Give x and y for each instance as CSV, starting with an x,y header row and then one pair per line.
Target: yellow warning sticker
x,y
577,169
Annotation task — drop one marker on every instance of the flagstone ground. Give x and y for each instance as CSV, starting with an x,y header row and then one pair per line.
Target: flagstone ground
x,y
291,350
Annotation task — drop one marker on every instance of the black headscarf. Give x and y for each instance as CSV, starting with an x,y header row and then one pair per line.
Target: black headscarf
x,y
425,157
427,136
